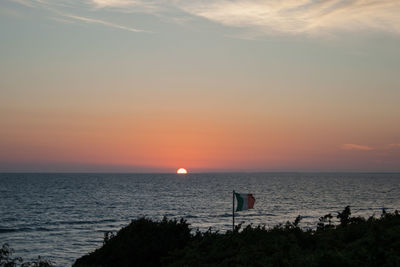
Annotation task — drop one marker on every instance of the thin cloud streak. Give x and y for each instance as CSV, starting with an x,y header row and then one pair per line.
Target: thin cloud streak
x,y
356,147
394,145
128,5
102,22
300,16
116,3
62,16
26,3
258,17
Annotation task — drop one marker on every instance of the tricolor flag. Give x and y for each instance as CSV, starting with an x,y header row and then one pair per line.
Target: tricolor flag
x,y
244,201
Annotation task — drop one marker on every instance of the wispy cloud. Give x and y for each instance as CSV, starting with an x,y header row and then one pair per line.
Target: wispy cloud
x,y
300,16
116,3
394,145
123,3
59,13
257,17
28,3
101,22
382,148
356,147
130,6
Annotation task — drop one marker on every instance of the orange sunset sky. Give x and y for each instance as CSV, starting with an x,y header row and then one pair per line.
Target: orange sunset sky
x,y
131,87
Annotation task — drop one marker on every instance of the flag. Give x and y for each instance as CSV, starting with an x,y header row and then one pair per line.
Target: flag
x,y
244,201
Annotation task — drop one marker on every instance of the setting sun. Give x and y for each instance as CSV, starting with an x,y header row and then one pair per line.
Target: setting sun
x,y
181,171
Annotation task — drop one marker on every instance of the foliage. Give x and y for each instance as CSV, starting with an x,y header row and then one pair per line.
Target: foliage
x,y
344,216
354,242
7,260
141,243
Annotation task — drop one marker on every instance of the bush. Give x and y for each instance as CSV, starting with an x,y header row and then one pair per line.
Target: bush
x,y
354,242
7,260
142,243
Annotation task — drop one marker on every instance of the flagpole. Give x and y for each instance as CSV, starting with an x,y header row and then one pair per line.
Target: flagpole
x,y
233,211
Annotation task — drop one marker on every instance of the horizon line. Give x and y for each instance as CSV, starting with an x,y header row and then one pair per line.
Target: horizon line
x,y
191,172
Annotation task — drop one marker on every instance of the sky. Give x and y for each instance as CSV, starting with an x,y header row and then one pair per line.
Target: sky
x,y
239,85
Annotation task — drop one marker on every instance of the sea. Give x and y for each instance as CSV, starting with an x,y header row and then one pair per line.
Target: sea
x,y
63,216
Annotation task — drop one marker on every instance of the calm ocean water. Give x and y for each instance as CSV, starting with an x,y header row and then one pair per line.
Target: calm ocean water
x,y
64,216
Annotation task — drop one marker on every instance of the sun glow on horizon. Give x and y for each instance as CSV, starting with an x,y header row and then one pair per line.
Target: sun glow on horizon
x,y
181,171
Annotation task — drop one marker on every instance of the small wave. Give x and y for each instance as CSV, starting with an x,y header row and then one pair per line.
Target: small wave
x,y
226,215
3,230
25,229
86,222
43,229
222,215
268,214
170,215
191,216
248,215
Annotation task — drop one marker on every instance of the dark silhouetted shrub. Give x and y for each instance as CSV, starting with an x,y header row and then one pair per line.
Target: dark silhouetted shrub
x,y
354,242
344,216
7,260
142,243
